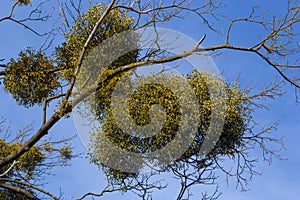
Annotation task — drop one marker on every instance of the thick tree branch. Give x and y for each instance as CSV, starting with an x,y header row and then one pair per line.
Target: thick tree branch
x,y
65,108
30,186
33,140
28,194
131,66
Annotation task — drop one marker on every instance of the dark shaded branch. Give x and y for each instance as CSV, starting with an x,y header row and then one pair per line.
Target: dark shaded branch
x,y
44,112
30,186
106,190
139,186
46,101
29,18
158,12
28,194
27,27
11,11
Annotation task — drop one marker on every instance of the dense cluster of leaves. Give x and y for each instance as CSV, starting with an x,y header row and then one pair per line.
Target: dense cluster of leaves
x,y
34,77
68,53
235,124
31,78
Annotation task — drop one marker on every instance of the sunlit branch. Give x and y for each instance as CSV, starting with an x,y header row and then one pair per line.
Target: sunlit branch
x,y
7,171
84,49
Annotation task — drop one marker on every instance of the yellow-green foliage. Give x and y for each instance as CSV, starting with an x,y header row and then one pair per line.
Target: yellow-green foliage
x,y
236,118
29,78
66,152
68,54
26,163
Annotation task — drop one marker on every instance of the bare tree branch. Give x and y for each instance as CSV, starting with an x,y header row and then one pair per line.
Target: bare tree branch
x,y
30,17
11,11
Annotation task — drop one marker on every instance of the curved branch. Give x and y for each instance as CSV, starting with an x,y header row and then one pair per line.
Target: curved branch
x,y
27,27
29,18
28,194
99,194
11,11
29,185
12,165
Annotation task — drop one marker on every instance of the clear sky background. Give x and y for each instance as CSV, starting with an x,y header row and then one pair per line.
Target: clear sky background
x,y
279,181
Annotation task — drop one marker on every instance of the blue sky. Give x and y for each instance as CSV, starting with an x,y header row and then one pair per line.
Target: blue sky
x,y
278,181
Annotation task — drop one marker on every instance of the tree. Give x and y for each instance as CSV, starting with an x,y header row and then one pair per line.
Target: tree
x,y
35,79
